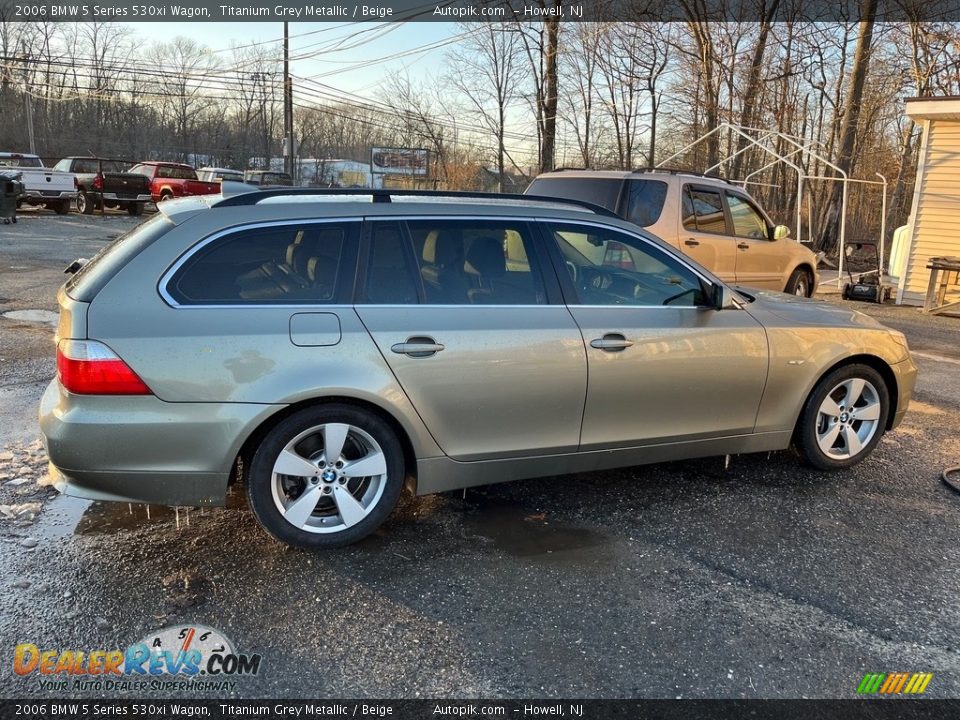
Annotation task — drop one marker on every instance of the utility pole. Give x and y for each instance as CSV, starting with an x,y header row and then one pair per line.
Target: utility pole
x,y
288,149
29,99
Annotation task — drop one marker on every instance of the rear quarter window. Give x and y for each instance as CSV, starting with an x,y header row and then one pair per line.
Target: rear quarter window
x,y
92,277
645,200
604,192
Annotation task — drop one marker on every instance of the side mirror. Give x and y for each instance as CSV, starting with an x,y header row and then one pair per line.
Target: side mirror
x,y
723,298
780,232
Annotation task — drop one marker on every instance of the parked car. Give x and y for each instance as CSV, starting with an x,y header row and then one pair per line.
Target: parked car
x,y
336,351
713,221
267,178
215,174
44,186
103,182
173,180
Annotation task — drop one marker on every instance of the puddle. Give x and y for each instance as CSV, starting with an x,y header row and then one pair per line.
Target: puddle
x,y
65,515
34,316
517,532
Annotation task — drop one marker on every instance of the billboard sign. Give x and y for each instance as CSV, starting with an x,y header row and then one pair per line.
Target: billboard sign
x,y
399,161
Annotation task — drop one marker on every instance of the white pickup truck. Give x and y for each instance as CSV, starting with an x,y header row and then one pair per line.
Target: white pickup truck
x,y
53,189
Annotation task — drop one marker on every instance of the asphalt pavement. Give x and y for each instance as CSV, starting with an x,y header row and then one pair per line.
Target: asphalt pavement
x,y
691,579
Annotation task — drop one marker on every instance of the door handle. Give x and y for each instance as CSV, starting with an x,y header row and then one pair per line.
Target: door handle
x,y
691,242
743,246
417,347
611,342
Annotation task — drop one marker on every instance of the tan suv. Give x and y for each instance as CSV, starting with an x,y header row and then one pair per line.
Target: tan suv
x,y
713,221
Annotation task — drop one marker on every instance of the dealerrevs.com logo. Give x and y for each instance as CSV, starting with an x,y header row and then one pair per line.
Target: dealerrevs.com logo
x,y
179,657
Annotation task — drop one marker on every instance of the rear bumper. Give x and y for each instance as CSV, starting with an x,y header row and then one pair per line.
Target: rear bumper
x,y
906,375
36,196
142,449
115,197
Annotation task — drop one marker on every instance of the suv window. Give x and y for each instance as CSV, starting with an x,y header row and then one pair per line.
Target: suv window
x,y
609,267
645,200
747,220
283,264
604,192
391,269
478,262
703,211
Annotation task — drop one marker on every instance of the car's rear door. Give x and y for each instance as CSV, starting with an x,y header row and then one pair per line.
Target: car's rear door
x,y
472,324
704,231
663,366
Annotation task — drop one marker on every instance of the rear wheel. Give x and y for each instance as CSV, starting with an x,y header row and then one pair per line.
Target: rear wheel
x,y
61,208
800,283
85,204
844,417
135,208
165,195
326,476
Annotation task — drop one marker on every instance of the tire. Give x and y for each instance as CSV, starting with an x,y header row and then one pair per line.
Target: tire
x,y
62,207
339,508
800,283
135,209
164,196
827,448
85,204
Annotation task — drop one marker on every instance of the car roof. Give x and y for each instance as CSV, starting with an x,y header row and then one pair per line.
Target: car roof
x,y
220,169
659,173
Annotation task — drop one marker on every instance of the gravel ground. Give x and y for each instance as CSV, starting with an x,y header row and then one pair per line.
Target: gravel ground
x,y
686,579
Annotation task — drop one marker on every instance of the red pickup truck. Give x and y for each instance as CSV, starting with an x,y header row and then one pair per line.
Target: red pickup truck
x,y
173,180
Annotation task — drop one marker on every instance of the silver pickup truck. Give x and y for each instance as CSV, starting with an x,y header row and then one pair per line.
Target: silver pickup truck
x,y
53,189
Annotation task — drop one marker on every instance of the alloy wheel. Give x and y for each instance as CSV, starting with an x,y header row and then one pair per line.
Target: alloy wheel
x,y
848,418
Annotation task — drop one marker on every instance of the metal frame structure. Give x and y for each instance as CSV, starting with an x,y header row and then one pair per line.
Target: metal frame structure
x,y
759,138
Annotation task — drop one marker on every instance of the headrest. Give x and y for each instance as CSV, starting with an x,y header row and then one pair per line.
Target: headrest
x,y
442,249
312,265
486,257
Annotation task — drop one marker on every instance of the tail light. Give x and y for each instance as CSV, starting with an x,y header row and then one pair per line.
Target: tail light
x,y
76,183
87,367
98,182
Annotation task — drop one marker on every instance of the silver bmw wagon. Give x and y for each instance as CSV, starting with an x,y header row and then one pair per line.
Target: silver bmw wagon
x,y
329,348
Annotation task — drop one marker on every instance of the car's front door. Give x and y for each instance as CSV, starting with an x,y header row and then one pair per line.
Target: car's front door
x,y
704,233
761,261
474,328
663,366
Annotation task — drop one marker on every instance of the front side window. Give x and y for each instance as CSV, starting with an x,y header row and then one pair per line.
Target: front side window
x,y
703,211
476,262
609,267
278,264
747,221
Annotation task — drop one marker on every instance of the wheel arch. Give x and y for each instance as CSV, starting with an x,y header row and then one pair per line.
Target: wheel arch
x,y
809,270
256,436
872,361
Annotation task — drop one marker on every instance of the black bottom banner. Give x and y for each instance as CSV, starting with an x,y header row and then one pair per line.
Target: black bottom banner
x,y
434,709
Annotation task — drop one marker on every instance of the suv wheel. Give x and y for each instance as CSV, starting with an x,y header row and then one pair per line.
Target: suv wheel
x,y
326,476
844,417
800,283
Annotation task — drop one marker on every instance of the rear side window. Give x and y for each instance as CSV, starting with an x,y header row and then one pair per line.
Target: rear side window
x,y
90,279
604,192
645,200
391,272
703,211
477,262
277,264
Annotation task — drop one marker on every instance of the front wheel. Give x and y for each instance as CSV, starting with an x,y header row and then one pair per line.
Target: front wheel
x,y
799,284
326,476
844,417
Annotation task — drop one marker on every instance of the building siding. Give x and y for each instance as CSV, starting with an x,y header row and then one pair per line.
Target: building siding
x,y
936,222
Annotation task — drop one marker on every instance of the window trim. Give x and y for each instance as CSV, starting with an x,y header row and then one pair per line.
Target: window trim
x,y
344,273
688,187
570,295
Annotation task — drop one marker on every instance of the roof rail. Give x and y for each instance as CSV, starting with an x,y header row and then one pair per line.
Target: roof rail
x,y
384,196
681,171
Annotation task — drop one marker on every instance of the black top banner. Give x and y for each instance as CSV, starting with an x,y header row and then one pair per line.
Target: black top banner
x,y
476,10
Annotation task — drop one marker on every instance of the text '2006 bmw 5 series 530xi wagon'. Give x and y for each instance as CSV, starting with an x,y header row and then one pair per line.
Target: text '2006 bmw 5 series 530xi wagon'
x,y
338,345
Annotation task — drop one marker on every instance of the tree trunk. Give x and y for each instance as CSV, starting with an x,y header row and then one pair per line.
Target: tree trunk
x,y
548,138
830,229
